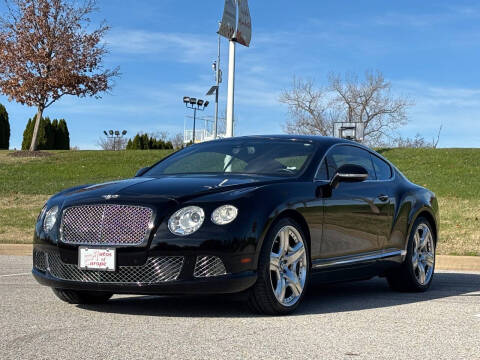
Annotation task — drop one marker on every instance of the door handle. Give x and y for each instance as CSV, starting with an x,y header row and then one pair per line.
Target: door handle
x,y
382,197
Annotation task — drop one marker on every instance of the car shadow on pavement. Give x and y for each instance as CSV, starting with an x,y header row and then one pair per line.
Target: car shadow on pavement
x,y
320,299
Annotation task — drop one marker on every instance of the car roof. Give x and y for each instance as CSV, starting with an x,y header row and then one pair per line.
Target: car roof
x,y
324,140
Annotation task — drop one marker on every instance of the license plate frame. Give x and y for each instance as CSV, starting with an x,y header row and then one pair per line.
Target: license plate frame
x,y
97,259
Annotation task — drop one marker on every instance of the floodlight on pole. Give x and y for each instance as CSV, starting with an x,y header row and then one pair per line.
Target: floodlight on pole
x,y
195,104
115,135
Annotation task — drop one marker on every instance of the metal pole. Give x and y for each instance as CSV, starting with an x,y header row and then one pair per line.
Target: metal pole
x,y
194,119
231,89
215,129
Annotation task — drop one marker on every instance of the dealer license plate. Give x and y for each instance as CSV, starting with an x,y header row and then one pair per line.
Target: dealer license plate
x,y
99,259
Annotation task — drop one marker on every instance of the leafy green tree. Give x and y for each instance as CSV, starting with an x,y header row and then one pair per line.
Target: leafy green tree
x,y
63,136
146,142
41,136
136,143
4,128
52,135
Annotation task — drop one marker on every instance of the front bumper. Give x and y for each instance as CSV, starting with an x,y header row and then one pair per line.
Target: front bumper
x,y
162,274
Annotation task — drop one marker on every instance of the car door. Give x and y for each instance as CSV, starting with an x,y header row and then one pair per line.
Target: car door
x,y
385,177
354,211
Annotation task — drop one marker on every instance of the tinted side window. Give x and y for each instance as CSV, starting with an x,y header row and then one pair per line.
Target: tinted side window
x,y
342,155
382,169
322,173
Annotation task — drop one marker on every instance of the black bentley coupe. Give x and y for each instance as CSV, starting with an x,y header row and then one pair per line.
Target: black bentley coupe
x,y
257,215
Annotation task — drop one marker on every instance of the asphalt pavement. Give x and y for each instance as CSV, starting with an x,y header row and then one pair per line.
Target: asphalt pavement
x,y
361,320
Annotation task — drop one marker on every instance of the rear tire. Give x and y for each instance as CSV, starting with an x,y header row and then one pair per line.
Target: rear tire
x,y
283,270
82,297
416,272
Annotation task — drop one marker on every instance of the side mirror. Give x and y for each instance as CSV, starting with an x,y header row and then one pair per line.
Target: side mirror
x,y
349,173
142,171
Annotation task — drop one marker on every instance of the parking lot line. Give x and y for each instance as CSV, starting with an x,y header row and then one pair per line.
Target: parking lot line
x,y
21,274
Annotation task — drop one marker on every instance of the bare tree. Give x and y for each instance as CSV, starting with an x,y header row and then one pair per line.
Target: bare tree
x,y
309,108
369,101
47,52
436,140
112,143
163,135
177,141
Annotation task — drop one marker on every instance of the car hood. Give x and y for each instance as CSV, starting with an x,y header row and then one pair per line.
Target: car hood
x,y
167,187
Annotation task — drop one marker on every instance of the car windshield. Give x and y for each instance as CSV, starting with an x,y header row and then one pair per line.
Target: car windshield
x,y
272,157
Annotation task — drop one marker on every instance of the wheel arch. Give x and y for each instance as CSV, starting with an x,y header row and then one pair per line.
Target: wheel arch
x,y
294,215
428,214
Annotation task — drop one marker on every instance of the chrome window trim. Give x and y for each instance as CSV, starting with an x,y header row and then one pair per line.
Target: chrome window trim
x,y
393,169
357,258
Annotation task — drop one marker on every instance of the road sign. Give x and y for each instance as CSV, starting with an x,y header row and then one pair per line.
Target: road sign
x,y
229,20
244,28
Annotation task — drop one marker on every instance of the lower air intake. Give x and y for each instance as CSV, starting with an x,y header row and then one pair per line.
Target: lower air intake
x,y
155,270
39,260
207,266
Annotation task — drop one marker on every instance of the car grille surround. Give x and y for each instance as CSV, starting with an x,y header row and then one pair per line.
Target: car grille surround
x,y
106,224
156,270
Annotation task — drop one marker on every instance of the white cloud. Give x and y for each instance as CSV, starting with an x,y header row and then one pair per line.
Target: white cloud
x,y
181,47
458,109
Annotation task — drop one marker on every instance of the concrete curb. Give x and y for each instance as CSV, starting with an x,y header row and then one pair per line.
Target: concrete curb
x,y
444,262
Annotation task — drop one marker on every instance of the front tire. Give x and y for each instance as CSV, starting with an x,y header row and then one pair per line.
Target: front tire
x,y
82,297
416,273
283,270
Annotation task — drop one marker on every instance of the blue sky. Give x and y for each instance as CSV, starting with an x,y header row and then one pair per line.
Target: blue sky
x,y
429,50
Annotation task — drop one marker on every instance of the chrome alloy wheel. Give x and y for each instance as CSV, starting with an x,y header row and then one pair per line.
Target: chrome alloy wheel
x,y
288,266
423,257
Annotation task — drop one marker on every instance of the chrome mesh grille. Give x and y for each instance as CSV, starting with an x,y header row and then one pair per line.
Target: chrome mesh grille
x,y
106,224
207,266
155,270
39,260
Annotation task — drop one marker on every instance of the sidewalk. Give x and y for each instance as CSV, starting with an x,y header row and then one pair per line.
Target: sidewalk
x,y
444,262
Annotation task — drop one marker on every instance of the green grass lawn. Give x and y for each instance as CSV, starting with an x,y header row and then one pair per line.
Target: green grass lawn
x,y
26,183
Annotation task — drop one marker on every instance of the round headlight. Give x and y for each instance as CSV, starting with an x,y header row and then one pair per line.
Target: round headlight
x,y
186,221
224,215
50,218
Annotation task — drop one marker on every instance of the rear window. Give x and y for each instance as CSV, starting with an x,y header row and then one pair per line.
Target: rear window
x,y
382,169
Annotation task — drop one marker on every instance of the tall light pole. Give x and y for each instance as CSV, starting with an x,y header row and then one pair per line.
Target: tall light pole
x,y
218,79
216,88
193,103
